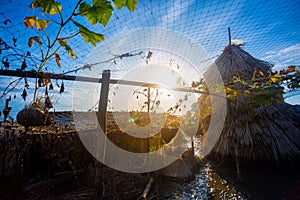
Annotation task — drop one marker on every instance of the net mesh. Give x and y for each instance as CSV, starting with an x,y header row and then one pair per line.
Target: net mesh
x,y
270,30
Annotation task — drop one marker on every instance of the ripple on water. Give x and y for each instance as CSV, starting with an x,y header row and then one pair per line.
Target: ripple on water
x,y
206,184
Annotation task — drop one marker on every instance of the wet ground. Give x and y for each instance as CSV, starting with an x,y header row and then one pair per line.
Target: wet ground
x,y
218,180
206,184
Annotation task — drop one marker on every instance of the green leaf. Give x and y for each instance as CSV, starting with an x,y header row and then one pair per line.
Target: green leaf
x,y
49,6
89,36
100,12
70,51
130,4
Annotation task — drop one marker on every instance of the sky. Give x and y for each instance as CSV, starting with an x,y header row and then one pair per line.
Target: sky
x,y
270,30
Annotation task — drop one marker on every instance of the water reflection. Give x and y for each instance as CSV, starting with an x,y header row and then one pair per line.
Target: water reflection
x,y
206,184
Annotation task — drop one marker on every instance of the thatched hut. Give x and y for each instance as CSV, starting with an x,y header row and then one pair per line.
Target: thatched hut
x,y
251,132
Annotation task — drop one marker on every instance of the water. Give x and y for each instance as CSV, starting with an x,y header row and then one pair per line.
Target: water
x,y
206,184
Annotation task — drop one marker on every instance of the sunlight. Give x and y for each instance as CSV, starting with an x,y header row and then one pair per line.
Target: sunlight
x,y
162,98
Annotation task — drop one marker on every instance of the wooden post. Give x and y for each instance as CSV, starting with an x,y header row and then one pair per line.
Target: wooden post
x,y
103,99
229,37
101,115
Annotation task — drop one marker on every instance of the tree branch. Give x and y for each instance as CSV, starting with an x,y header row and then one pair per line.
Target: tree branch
x,y
69,37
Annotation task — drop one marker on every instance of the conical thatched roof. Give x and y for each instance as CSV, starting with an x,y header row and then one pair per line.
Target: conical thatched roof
x,y
256,132
235,61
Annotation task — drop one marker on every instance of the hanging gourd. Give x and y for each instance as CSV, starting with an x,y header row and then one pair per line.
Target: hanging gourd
x,y
31,117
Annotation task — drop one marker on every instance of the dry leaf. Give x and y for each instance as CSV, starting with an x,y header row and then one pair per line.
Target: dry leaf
x,y
62,88
30,21
63,42
32,39
57,59
46,81
41,24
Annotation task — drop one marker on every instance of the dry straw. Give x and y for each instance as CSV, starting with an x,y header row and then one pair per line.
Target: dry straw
x,y
256,132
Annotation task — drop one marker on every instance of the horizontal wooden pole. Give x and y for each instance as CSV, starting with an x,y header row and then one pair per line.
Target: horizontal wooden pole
x,y
35,74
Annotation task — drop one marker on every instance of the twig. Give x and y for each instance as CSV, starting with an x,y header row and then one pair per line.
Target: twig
x,y
89,66
68,172
69,37
147,189
4,93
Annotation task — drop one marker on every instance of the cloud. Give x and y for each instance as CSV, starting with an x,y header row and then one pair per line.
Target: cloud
x,y
284,57
176,10
237,42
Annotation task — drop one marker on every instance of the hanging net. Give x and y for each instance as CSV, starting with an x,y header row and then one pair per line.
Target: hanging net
x,y
269,30
168,43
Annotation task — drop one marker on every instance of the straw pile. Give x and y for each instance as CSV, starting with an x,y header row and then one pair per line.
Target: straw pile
x,y
265,131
